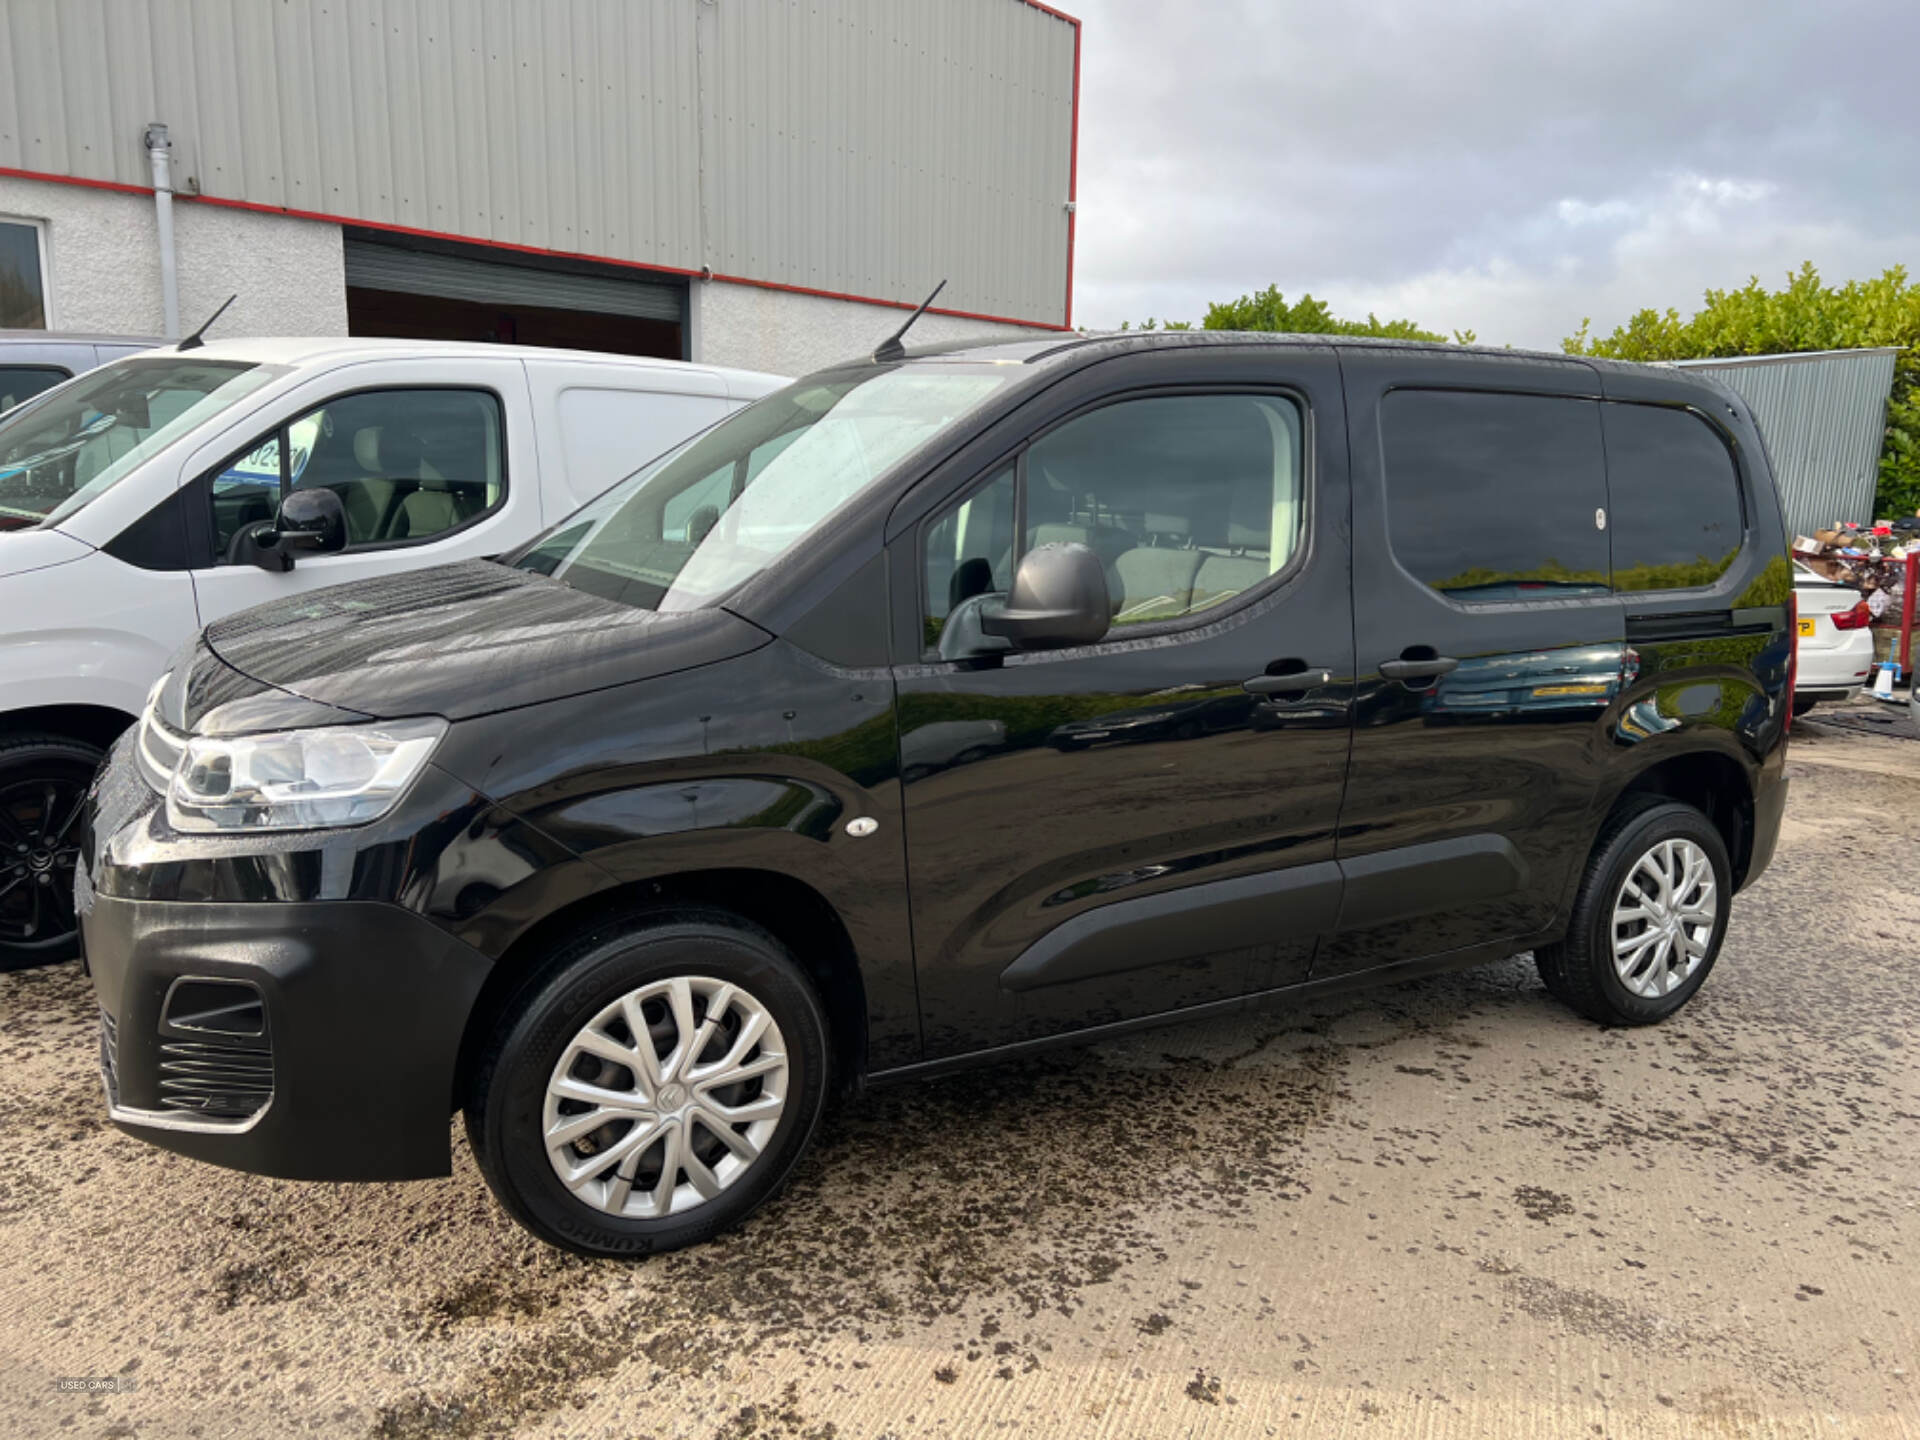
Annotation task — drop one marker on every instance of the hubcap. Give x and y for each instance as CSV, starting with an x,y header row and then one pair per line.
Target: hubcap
x,y
1663,918
666,1097
39,845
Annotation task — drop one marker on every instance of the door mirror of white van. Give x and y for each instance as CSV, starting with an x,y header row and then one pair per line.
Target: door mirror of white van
x,y
313,520
309,520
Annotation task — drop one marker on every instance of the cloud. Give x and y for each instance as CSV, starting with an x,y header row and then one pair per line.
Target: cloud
x,y
1505,168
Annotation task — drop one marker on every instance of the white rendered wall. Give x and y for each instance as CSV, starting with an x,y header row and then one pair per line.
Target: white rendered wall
x,y
790,333
105,264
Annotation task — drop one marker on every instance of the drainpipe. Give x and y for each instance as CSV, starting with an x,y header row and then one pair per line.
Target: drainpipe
x,y
160,152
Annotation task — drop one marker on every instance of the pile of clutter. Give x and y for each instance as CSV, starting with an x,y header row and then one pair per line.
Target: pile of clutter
x,y
1870,558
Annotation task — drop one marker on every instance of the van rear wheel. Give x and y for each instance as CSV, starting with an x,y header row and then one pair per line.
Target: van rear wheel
x,y
654,1085
1649,918
43,789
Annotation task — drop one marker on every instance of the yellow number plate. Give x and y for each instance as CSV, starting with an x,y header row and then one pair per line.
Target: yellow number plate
x,y
1806,627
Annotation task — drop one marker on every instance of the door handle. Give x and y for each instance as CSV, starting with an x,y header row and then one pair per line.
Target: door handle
x,y
1426,669
1292,684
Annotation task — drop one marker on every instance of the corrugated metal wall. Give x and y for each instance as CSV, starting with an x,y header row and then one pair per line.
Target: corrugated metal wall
x,y
876,146
862,147
1824,418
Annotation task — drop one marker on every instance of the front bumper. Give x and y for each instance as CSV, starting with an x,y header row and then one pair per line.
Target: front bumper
x,y
345,1071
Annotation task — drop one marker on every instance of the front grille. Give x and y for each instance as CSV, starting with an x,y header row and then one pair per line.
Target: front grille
x,y
110,1055
222,1081
157,750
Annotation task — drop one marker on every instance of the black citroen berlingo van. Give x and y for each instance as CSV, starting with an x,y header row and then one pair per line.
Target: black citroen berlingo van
x,y
934,709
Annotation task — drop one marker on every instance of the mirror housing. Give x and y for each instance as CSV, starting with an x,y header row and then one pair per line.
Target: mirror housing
x,y
1058,599
311,520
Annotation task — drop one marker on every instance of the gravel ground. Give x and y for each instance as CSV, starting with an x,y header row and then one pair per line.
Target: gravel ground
x,y
1446,1208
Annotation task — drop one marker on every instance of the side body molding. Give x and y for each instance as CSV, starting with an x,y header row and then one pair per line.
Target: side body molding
x,y
1244,912
1250,911
1413,880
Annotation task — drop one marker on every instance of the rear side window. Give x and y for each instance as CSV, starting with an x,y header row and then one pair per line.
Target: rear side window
x,y
1674,515
1496,497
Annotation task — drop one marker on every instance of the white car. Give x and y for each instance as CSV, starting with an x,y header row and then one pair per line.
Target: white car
x,y
1836,646
143,500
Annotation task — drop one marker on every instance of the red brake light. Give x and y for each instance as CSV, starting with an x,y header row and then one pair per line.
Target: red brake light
x,y
1855,619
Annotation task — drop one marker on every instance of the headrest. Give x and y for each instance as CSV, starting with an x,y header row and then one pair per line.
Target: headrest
x,y
387,450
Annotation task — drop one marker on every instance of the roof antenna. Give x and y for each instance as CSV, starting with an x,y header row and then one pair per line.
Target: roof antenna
x,y
194,342
890,348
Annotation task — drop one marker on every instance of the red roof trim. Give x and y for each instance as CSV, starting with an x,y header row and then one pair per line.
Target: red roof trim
x,y
678,270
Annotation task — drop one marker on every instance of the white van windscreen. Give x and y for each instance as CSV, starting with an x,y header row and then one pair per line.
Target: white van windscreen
x,y
75,442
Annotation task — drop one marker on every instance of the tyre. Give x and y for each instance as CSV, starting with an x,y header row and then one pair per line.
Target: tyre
x,y
1648,919
652,1084
43,789
1802,704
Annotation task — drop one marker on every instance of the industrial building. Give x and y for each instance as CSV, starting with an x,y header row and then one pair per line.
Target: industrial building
x,y
743,182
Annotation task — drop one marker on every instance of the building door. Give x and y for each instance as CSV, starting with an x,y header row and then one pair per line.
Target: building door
x,y
436,294
1145,824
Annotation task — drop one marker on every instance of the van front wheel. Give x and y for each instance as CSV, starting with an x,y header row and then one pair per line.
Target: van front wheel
x,y
654,1085
43,789
1649,918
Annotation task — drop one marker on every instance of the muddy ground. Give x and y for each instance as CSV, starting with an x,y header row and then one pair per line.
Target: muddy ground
x,y
1447,1208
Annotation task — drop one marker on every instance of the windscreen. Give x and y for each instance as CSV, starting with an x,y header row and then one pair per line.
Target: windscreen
x,y
702,520
63,448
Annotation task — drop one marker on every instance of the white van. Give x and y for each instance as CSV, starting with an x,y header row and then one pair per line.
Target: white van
x,y
143,500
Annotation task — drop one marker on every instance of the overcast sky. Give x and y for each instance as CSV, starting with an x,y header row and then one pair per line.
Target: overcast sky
x,y
1507,168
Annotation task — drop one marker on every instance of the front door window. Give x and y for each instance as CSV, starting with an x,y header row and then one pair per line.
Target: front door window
x,y
1189,501
408,466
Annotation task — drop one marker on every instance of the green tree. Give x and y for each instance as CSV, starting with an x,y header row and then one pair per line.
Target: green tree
x,y
1268,309
1804,315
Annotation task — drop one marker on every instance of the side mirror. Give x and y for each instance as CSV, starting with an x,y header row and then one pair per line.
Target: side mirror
x,y
312,520
1059,598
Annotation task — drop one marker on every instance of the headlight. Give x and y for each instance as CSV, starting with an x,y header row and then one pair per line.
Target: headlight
x,y
299,779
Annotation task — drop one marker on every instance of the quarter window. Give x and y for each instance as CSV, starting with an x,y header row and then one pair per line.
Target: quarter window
x,y
969,551
1675,513
1496,497
1188,500
408,465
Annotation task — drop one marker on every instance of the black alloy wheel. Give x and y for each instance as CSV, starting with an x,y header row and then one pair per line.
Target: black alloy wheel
x,y
43,790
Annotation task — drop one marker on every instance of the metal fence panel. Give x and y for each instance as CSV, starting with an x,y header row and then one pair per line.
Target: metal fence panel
x,y
1824,418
